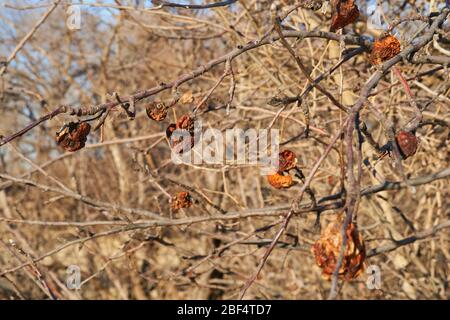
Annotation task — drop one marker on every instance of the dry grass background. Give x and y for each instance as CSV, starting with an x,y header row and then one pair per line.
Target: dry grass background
x,y
123,49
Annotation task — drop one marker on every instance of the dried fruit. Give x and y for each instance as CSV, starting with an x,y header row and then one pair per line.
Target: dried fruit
x,y
178,143
156,111
326,251
287,161
181,200
170,129
384,49
280,181
331,180
187,97
344,12
186,123
73,136
407,143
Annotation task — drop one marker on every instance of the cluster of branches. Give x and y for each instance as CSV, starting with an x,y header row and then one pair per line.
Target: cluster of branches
x,y
348,139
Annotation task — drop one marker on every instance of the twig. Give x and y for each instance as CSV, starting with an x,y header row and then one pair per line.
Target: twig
x,y
277,26
163,4
291,212
408,240
369,86
83,111
28,36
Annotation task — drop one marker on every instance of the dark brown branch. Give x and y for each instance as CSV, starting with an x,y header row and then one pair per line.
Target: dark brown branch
x,y
354,190
193,6
291,212
408,240
303,68
42,119
84,111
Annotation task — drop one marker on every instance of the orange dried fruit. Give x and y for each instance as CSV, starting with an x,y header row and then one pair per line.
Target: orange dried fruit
x,y
344,12
156,111
73,136
186,123
407,143
384,49
181,200
287,161
280,181
179,143
327,249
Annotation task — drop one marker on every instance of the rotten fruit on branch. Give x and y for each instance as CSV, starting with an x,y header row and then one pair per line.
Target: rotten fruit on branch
x,y
73,136
179,143
287,161
344,12
156,111
407,143
327,249
384,49
281,179
181,200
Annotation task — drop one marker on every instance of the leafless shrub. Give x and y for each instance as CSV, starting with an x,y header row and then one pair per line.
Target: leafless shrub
x,y
109,208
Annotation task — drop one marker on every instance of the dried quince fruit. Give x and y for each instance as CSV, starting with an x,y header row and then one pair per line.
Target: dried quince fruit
x,y
344,12
179,144
327,249
170,129
280,181
287,161
384,49
186,123
407,143
181,200
156,111
73,136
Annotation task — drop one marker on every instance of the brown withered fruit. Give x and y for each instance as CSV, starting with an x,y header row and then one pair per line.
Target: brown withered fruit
x,y
73,136
407,143
178,144
280,181
186,123
327,249
287,161
181,200
384,49
170,129
344,12
156,111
